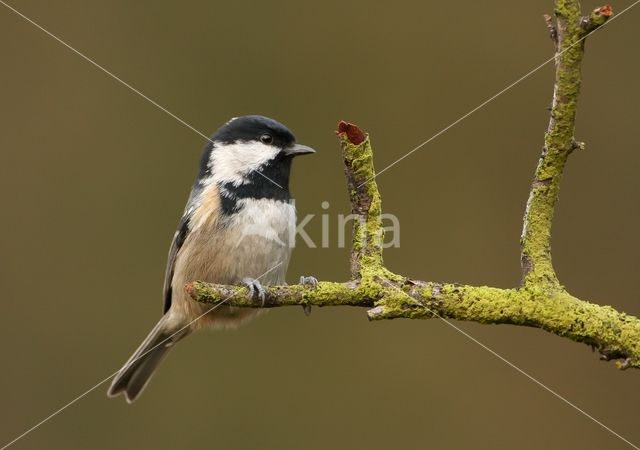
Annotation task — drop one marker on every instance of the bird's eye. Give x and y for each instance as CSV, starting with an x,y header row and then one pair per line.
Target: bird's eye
x,y
266,138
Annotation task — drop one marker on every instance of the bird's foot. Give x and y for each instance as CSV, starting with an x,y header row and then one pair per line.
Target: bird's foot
x,y
255,289
312,282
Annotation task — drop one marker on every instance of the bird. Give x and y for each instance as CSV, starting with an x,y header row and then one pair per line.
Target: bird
x,y
238,227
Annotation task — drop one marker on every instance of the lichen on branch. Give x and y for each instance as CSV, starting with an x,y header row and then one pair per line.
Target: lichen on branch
x,y
366,204
540,301
569,33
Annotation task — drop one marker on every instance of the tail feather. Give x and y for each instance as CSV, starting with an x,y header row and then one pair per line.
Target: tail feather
x,y
136,373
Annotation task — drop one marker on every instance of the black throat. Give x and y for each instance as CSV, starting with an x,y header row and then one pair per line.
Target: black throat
x,y
270,182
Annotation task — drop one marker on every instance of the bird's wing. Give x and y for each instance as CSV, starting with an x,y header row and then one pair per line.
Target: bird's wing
x,y
178,239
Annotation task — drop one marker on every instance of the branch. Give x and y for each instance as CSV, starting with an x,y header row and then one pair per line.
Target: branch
x,y
616,335
597,18
570,31
364,197
540,301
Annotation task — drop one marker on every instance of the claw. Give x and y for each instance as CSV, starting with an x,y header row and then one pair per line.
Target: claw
x,y
255,289
309,281
313,283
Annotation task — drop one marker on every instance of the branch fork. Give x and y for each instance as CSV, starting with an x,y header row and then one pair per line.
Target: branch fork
x,y
540,301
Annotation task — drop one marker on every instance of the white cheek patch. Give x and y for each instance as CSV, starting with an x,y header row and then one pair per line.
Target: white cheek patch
x,y
231,163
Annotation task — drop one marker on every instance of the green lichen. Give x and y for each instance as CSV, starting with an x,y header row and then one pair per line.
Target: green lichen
x,y
598,17
538,271
333,294
368,233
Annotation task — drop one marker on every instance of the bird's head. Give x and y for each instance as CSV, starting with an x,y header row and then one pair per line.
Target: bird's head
x,y
251,150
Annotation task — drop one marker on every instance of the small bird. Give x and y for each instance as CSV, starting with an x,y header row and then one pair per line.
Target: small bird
x,y
238,227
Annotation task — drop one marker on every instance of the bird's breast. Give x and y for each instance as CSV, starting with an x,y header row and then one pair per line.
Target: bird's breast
x,y
254,242
261,236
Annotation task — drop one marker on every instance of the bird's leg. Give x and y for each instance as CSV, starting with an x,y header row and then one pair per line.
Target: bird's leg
x,y
255,289
312,282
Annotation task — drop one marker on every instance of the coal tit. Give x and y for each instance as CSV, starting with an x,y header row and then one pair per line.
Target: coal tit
x,y
238,225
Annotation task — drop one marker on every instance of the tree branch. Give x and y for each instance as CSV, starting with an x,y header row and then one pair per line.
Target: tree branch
x,y
616,335
540,301
537,268
366,204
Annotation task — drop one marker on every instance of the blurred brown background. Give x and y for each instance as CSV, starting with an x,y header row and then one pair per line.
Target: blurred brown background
x,y
94,179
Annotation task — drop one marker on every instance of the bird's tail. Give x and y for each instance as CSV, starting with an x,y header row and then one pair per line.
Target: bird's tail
x,y
136,373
